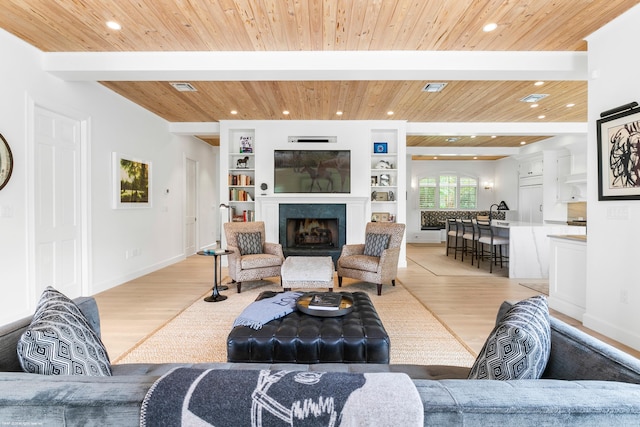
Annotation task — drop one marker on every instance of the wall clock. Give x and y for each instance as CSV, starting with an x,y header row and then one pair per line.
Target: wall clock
x,y
6,162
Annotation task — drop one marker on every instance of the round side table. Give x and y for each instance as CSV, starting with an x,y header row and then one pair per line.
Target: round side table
x,y
215,296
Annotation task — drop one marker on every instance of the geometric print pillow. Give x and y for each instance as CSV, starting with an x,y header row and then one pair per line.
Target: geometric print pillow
x,y
374,244
519,345
60,341
249,243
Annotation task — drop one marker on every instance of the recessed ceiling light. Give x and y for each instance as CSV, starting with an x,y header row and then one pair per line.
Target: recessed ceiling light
x,y
493,136
473,136
389,113
452,139
489,27
571,105
433,87
234,112
183,87
523,142
542,116
435,157
538,83
338,113
285,112
534,97
114,25
534,105
475,157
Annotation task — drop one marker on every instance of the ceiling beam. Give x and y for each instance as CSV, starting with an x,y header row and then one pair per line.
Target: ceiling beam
x,y
316,65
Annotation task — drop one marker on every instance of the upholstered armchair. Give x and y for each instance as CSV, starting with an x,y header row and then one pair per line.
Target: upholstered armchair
x,y
375,261
251,257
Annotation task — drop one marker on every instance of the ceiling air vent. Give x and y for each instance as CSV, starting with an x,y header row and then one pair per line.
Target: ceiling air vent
x,y
183,87
313,139
534,97
433,87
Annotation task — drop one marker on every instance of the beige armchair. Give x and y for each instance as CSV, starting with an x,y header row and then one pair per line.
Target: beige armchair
x,y
375,261
251,257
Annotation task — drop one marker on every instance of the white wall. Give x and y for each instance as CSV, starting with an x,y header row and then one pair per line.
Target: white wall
x,y
502,173
115,125
612,247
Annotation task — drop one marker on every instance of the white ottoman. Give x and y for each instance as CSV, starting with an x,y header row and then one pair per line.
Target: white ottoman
x,y
307,272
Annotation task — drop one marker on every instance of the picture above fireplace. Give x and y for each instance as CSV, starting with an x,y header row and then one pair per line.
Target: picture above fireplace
x,y
312,171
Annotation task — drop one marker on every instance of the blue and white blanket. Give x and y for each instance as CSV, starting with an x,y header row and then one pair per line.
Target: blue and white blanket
x,y
265,310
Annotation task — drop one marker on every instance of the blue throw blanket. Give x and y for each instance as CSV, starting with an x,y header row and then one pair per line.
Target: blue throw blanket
x,y
265,310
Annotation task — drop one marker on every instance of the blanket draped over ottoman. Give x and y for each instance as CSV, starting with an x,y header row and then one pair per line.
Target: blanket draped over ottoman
x,y
209,397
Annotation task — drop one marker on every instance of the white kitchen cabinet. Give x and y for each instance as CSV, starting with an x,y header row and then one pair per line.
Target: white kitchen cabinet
x,y
531,167
530,208
567,274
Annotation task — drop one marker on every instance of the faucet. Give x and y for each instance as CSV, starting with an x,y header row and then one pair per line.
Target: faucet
x,y
490,210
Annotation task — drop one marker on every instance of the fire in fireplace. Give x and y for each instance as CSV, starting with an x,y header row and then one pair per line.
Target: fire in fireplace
x,y
312,233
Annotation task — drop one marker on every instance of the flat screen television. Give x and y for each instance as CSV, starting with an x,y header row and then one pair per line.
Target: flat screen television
x,y
312,171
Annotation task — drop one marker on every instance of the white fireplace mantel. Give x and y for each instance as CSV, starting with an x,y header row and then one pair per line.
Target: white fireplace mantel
x,y
268,210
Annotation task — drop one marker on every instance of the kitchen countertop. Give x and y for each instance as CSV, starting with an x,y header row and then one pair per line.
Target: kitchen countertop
x,y
574,237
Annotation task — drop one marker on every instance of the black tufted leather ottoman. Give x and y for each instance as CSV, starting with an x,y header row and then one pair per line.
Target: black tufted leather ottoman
x,y
357,337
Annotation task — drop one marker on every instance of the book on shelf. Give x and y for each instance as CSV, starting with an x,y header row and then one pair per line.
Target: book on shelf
x,y
325,301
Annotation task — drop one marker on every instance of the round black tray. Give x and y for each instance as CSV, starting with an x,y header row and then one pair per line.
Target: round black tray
x,y
346,306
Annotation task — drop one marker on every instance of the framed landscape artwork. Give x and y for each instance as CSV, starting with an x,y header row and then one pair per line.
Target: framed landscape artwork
x,y
619,156
131,182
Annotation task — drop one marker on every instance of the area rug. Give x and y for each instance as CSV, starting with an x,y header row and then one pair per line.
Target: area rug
x,y
199,333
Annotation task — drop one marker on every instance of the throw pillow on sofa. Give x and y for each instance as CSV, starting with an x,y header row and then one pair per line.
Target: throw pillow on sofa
x,y
375,244
519,345
249,243
60,341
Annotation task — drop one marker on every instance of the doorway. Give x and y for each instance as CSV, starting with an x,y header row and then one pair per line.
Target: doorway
x,y
191,207
58,198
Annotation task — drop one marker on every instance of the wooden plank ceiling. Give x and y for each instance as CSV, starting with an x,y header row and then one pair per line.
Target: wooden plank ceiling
x,y
329,25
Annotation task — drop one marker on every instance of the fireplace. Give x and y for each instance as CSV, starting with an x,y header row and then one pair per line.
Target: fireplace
x,y
312,229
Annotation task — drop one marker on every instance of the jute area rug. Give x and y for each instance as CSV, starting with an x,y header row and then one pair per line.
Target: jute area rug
x,y
199,333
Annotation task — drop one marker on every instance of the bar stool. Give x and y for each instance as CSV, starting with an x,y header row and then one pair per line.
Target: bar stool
x,y
454,234
469,235
486,236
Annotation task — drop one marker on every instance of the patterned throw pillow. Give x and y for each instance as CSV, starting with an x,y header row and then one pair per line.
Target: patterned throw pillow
x,y
374,244
519,345
249,243
59,340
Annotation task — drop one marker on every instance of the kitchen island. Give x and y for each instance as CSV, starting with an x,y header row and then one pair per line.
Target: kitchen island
x,y
529,245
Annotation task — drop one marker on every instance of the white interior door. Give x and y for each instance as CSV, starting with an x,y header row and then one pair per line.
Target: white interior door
x,y
191,207
57,202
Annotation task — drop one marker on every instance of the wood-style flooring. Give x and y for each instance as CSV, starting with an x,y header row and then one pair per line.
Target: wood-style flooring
x,y
464,298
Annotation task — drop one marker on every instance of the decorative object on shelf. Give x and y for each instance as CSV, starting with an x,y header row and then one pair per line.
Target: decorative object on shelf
x,y
131,182
382,196
242,163
6,162
383,164
374,180
618,132
380,147
380,217
374,195
385,180
246,144
392,197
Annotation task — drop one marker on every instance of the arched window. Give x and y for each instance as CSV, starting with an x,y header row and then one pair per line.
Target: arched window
x,y
448,191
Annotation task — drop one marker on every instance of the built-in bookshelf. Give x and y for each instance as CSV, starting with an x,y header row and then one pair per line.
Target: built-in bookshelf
x,y
241,179
384,175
